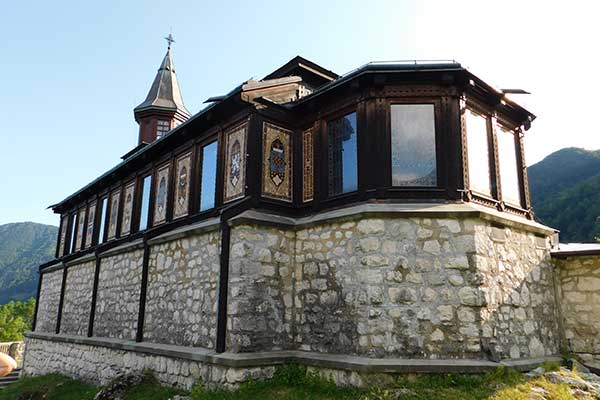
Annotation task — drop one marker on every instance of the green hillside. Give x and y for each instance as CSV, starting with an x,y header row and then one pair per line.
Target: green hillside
x,y
23,247
565,192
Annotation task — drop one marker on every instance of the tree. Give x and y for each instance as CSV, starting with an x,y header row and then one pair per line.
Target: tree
x,y
16,318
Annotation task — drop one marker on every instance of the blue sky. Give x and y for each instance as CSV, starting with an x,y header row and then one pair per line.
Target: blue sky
x,y
72,72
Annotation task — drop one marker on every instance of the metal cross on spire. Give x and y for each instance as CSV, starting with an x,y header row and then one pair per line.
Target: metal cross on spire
x,y
170,40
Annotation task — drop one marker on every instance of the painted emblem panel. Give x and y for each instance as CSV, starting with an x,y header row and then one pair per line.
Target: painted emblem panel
x,y
308,163
90,225
182,185
115,198
277,163
235,163
127,209
161,192
80,228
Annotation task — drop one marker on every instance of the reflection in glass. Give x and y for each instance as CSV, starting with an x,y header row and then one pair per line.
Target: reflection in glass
x,y
209,177
413,145
103,211
74,223
342,155
478,153
509,175
145,202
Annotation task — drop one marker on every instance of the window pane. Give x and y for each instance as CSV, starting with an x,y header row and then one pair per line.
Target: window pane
x,y
413,145
509,176
478,153
74,222
342,155
103,206
145,205
208,184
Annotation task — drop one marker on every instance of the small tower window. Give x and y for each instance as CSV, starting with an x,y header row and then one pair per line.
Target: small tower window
x,y
162,127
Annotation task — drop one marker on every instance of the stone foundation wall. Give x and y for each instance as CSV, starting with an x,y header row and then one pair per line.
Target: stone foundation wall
x,y
579,294
260,298
518,311
118,297
49,301
98,365
181,301
77,303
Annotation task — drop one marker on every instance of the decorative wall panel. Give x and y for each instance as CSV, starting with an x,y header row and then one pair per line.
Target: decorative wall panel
x,y
235,163
127,209
63,235
161,194
80,228
90,225
307,166
182,185
114,213
277,163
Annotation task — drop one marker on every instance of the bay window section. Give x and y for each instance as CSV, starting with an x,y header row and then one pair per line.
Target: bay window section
x,y
509,174
145,203
342,159
208,183
413,145
478,155
103,212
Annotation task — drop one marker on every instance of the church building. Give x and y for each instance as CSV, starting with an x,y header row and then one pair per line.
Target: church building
x,y
377,222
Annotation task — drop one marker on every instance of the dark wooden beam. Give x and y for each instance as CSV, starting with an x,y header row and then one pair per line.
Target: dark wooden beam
x,y
62,299
223,288
37,301
143,290
90,331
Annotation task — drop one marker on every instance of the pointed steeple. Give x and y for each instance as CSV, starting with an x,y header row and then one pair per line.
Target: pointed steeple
x,y
163,108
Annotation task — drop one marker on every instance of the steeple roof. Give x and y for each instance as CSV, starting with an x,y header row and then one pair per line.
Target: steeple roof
x,y
164,92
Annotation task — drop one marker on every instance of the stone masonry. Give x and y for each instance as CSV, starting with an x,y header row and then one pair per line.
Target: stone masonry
x,y
49,301
579,292
422,288
118,297
260,289
98,365
387,287
183,280
78,299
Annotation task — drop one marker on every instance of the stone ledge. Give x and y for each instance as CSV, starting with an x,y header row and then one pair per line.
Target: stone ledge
x,y
124,248
334,361
187,230
80,260
403,210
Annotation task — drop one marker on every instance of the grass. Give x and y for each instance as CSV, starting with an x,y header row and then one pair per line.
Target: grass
x,y
48,387
292,382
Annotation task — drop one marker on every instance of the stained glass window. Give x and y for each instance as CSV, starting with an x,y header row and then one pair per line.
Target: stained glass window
x,y
413,145
145,204
342,155
103,212
478,153
208,185
509,175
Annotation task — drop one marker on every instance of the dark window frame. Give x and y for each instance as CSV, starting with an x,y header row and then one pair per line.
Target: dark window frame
x,y
325,121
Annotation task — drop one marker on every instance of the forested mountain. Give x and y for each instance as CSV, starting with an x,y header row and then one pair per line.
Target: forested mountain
x,y
23,247
565,192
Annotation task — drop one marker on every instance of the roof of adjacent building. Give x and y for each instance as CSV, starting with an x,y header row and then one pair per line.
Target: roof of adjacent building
x,y
164,92
576,249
